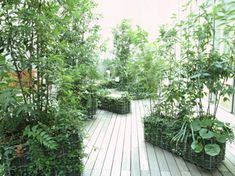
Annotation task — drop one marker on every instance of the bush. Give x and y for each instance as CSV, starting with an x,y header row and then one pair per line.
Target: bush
x,y
119,105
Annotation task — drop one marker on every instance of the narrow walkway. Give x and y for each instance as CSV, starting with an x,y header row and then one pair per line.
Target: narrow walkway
x,y
115,146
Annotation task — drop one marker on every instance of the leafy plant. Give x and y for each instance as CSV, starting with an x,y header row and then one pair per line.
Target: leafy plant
x,y
38,134
40,110
201,70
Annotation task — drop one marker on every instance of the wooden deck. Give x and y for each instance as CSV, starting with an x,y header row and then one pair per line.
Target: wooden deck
x,y
115,146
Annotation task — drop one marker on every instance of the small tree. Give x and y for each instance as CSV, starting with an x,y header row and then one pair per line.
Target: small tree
x,y
122,42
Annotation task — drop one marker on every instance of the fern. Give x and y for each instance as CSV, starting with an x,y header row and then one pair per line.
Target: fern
x,y
41,136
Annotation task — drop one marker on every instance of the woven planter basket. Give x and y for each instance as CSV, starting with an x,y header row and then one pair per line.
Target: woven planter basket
x,y
160,132
119,106
18,166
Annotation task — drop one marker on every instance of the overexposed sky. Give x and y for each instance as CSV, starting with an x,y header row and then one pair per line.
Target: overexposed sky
x,y
149,14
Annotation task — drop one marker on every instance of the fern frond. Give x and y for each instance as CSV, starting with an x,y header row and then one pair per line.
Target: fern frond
x,y
40,136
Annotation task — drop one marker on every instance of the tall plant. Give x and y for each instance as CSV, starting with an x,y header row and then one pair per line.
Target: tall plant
x,y
206,70
35,61
122,42
206,66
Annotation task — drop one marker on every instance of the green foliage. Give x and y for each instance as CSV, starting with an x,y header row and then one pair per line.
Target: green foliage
x,y
47,57
181,85
117,104
212,149
196,146
122,42
129,43
206,134
2,169
38,134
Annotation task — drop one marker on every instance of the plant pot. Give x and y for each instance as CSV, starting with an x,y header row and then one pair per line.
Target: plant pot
x,y
160,131
117,105
66,159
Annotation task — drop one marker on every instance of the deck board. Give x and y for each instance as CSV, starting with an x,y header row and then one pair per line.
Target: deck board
x,y
126,159
115,146
135,159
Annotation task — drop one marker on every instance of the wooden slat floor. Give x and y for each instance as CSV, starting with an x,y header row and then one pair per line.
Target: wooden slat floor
x,y
115,146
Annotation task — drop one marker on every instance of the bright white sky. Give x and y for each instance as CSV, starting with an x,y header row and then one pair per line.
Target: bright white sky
x,y
149,14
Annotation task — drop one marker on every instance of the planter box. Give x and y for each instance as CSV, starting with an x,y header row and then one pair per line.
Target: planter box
x,y
119,105
68,160
160,131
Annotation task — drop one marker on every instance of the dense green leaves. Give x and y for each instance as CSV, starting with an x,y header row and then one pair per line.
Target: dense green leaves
x,y
40,136
48,52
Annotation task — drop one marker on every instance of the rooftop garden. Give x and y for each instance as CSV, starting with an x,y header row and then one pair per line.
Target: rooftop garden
x,y
52,80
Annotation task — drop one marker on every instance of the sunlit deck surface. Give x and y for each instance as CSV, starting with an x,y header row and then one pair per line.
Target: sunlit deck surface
x,y
115,145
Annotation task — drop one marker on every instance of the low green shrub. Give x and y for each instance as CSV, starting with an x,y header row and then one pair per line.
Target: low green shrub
x,y
119,105
200,141
45,150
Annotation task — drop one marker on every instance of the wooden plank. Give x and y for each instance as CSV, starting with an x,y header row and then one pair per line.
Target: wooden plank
x,y
126,159
216,172
92,136
135,160
172,163
89,122
225,173
230,155
152,160
90,127
185,173
98,163
144,165
117,163
204,172
153,163
229,165
181,164
104,147
86,172
165,173
193,169
161,160
96,147
107,167
222,168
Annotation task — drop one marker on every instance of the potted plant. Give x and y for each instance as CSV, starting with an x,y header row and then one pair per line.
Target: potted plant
x,y
181,121
120,103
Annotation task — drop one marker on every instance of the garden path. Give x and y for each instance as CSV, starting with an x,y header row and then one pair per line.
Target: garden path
x,y
115,146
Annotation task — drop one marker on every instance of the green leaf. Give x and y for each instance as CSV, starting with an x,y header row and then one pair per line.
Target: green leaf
x,y
212,149
206,122
196,146
226,99
219,123
196,125
206,134
222,138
